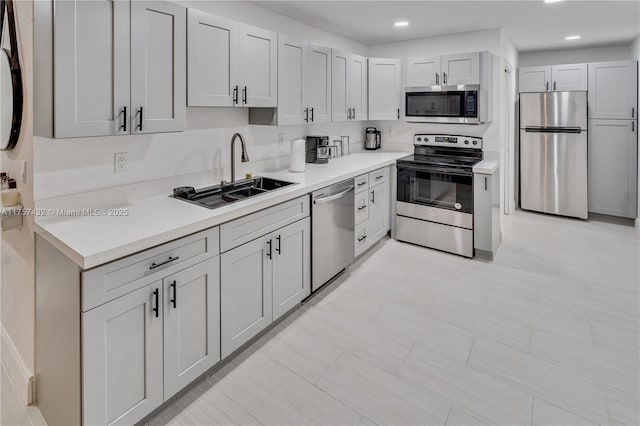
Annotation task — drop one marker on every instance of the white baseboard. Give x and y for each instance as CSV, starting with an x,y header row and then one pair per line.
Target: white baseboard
x,y
20,376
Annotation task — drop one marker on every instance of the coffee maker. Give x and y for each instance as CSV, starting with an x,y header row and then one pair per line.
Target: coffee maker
x,y
317,149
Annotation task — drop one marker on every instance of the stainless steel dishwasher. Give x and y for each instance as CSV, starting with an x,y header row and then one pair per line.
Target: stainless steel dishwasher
x,y
332,231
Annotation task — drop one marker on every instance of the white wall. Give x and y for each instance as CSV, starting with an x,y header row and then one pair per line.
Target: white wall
x,y
614,52
635,54
201,154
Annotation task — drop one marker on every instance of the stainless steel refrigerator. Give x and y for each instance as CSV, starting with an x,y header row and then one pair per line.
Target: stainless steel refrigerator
x,y
553,153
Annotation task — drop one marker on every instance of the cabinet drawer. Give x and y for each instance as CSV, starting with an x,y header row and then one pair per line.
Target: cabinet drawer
x,y
250,227
115,279
362,182
379,176
361,238
361,207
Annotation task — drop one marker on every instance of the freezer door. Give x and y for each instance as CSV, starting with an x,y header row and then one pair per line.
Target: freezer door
x,y
553,173
553,109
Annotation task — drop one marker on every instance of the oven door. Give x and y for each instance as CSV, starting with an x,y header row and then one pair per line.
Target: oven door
x,y
444,188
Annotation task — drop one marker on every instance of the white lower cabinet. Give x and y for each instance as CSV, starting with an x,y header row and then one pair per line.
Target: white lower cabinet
x,y
486,213
372,209
378,211
261,280
141,348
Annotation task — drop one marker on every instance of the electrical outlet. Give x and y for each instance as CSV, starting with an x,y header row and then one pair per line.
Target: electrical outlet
x,y
281,137
119,161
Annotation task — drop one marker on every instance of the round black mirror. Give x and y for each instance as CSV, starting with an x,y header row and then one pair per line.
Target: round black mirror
x,y
10,83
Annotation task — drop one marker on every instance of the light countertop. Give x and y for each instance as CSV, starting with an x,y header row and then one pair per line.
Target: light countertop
x,y
486,166
90,241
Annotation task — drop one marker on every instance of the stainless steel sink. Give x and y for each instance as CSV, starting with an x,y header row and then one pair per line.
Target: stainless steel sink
x,y
220,195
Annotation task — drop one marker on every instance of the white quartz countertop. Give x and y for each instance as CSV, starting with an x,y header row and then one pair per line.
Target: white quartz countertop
x,y
90,241
486,167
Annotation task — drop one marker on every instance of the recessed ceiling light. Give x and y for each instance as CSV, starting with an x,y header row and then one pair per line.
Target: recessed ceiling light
x,y
552,1
573,37
401,24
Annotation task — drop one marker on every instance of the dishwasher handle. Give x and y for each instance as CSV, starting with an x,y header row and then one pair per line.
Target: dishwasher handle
x,y
334,196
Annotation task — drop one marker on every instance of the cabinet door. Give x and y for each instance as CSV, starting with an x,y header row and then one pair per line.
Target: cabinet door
x,y
613,167
292,69
461,69
212,45
613,90
318,84
191,306
158,66
534,79
378,212
291,266
245,292
91,68
384,89
569,77
357,71
122,358
257,66
423,71
339,86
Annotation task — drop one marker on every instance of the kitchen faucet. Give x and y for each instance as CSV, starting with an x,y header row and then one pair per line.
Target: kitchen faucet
x,y
244,157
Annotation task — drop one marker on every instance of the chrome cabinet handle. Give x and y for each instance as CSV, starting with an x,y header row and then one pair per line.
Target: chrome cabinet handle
x,y
174,301
379,177
244,95
235,95
485,183
306,115
278,248
269,249
312,115
437,78
139,126
155,265
547,86
156,297
444,78
361,183
373,196
354,113
398,113
123,126
362,238
349,114
633,126
362,208
633,112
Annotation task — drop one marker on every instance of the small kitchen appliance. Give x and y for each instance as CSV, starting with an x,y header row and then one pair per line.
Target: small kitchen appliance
x,y
435,192
317,149
372,138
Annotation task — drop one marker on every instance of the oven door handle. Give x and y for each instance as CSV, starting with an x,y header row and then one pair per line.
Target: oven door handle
x,y
443,170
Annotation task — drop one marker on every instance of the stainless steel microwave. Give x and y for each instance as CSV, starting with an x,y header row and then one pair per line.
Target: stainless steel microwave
x,y
462,104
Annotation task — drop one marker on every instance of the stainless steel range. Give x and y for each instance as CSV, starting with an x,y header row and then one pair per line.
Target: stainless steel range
x,y
435,192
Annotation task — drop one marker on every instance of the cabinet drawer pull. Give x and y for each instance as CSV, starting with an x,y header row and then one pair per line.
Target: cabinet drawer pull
x,y
633,126
546,86
278,246
444,78
123,126
362,238
174,301
139,126
633,112
155,265
362,183
398,113
235,95
362,208
269,249
156,301
373,196
354,113
379,177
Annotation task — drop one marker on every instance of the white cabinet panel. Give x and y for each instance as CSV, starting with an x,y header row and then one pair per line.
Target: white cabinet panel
x,y
613,167
339,86
423,71
122,358
486,214
569,77
318,84
534,79
292,83
246,292
361,207
378,212
613,90
257,66
91,68
461,69
212,60
385,91
158,72
357,87
291,266
191,306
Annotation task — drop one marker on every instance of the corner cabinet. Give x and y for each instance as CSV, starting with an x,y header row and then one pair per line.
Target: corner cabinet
x,y
117,67
230,63
385,91
348,86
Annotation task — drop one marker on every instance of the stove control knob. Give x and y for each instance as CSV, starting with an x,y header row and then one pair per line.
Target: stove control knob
x,y
466,142
475,142
426,139
419,139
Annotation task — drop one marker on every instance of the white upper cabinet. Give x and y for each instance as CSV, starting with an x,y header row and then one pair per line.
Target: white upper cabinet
x,y
423,71
570,77
613,90
158,72
91,68
534,79
348,86
318,83
230,63
118,68
385,91
212,62
292,84
257,66
461,69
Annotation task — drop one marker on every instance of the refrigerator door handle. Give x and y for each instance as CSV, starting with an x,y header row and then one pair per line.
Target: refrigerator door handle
x,y
575,130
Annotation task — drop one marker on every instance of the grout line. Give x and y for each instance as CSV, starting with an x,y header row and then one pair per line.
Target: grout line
x,y
593,340
533,400
405,358
470,349
448,415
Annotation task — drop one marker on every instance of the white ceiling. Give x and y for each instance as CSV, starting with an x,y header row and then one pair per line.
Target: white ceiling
x,y
532,25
